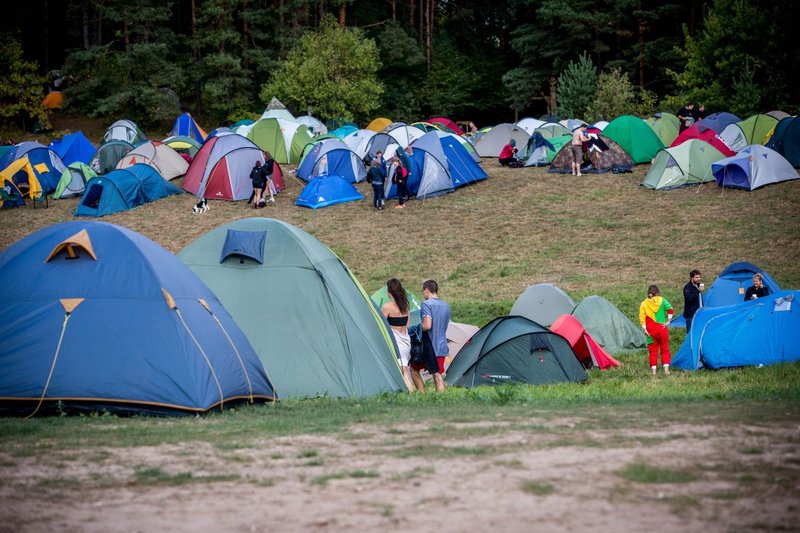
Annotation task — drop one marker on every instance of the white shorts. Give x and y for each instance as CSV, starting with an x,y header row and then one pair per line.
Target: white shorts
x,y
404,346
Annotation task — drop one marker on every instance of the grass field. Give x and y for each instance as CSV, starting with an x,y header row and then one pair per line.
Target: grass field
x,y
712,450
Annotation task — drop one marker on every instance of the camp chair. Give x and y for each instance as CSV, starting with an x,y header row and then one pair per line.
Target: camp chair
x,y
10,199
40,198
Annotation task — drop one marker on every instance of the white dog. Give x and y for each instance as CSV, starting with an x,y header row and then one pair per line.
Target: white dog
x,y
201,206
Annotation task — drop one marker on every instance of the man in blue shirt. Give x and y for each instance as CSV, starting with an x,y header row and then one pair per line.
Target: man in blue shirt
x,y
435,315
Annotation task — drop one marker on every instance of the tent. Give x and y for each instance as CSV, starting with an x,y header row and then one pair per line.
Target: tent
x,y
636,138
608,325
74,147
311,323
314,125
73,181
752,130
284,139
513,349
786,140
161,157
765,331
552,129
45,162
491,143
601,154
53,100
440,163
344,130
275,109
666,126
359,141
124,130
753,167
686,164
115,322
396,135
778,115
182,144
529,124
25,178
327,190
448,124
543,303
730,286
332,156
221,169
429,126
600,125
541,152
708,136
108,155
588,352
186,126
458,335
378,124
717,122
123,189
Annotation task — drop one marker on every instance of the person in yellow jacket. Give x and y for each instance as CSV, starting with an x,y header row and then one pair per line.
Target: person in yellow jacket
x,y
655,314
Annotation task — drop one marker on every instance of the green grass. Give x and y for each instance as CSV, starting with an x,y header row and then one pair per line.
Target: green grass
x,y
537,488
354,474
644,473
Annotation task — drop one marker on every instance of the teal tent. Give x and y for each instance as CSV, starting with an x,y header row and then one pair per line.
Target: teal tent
x,y
635,137
608,325
513,349
310,322
123,189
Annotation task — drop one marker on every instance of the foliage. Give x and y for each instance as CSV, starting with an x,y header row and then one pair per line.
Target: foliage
x,y
333,71
402,71
617,96
576,87
446,89
746,94
21,88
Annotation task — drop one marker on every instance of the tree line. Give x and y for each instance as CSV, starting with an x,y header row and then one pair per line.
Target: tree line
x,y
348,60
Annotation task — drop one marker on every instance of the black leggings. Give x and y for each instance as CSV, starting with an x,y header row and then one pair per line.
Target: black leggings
x,y
402,192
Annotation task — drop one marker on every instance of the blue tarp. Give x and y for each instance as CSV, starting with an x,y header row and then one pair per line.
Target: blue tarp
x,y
124,325
765,331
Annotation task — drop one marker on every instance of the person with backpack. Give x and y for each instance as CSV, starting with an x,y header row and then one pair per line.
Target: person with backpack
x,y
376,176
257,177
268,169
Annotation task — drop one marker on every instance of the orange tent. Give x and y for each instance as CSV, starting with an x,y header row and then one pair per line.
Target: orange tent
x,y
587,350
53,100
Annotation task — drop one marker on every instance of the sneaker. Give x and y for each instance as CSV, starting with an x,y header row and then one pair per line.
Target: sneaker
x,y
579,174
666,370
271,200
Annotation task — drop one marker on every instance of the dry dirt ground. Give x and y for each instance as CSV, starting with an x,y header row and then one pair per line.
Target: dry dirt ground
x,y
540,474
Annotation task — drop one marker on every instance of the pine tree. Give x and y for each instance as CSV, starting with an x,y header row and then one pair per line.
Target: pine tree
x,y
576,87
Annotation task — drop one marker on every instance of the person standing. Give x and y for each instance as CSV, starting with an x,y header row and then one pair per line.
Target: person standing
x,y
758,290
655,314
692,297
257,177
397,312
686,116
578,138
400,178
508,153
376,176
268,168
435,315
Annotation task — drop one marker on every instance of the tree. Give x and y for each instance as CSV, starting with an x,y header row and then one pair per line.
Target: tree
x,y
576,87
615,96
21,88
333,71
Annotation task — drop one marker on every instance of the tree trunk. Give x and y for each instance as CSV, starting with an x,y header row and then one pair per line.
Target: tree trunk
x,y
245,32
342,15
641,53
85,24
197,95
428,32
411,9
394,10
551,104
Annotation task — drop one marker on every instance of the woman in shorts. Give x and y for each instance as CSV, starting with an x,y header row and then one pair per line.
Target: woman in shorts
x,y
397,313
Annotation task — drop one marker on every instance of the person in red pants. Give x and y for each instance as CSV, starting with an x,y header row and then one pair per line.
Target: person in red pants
x,y
655,314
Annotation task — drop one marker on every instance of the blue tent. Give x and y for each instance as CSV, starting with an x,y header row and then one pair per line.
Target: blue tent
x,y
74,147
753,167
123,189
185,125
46,162
332,156
344,131
730,286
765,331
323,191
717,122
113,321
786,140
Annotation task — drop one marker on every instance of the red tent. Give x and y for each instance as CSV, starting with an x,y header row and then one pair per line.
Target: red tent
x,y
449,124
587,350
709,136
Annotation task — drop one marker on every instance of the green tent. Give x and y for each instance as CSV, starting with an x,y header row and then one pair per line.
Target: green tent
x,y
73,180
752,130
284,139
310,322
381,296
608,325
635,137
666,126
689,163
552,129
513,349
558,143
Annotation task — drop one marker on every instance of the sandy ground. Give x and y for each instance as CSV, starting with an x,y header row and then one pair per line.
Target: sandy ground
x,y
540,475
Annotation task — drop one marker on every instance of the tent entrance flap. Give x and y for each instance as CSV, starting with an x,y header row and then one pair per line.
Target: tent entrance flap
x,y
244,244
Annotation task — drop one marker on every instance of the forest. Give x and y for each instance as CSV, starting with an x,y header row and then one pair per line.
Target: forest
x,y
348,60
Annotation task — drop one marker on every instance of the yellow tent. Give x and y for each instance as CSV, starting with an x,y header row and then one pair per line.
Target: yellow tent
x,y
378,124
30,187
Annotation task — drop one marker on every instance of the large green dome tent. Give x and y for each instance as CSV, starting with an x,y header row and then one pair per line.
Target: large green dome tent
x,y
635,136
